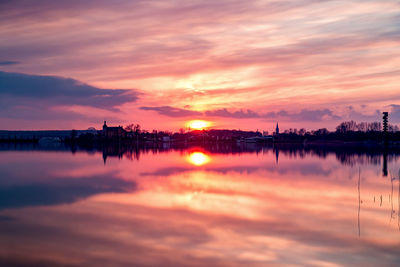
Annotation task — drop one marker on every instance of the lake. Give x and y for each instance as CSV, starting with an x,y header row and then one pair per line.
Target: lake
x,y
219,205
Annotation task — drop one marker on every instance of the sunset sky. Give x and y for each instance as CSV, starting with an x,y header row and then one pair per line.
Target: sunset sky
x,y
238,64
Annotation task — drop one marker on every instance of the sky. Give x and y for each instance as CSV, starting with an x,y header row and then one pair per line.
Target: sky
x,y
237,64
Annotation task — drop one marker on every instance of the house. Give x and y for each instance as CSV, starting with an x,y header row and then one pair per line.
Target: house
x,y
113,132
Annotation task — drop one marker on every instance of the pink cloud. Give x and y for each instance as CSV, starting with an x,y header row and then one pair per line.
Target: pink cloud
x,y
310,54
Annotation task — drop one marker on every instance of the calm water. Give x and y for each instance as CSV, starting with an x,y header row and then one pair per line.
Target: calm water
x,y
198,207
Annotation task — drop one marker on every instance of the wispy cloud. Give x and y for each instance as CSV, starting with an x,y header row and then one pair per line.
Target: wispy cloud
x,y
301,59
40,97
172,112
233,114
395,113
62,91
303,115
8,62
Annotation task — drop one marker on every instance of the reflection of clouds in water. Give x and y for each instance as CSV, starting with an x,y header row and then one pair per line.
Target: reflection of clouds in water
x,y
303,169
147,236
60,190
228,213
48,178
6,218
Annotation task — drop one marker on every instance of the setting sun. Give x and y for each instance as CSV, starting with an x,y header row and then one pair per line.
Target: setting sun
x,y
198,158
198,124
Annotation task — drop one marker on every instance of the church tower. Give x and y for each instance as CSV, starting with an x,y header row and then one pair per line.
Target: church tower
x,y
277,129
105,128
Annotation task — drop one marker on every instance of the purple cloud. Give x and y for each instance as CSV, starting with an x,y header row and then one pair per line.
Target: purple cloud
x,y
24,96
8,62
394,115
172,112
241,114
303,115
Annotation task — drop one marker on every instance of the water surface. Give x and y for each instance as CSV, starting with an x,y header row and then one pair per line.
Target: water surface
x,y
198,206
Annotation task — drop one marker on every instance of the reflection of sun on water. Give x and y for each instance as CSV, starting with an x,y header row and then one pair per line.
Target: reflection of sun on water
x,y
198,158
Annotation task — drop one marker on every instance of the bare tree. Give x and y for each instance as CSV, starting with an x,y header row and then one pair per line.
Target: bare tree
x,y
129,128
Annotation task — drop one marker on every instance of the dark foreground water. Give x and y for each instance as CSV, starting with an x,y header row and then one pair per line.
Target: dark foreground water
x,y
213,206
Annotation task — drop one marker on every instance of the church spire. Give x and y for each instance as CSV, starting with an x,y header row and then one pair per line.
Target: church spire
x,y
277,129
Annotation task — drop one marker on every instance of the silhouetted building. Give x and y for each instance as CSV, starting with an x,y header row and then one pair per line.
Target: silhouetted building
x,y
113,132
277,129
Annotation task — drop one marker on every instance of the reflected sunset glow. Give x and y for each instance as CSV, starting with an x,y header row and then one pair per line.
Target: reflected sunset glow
x,y
244,208
198,158
198,133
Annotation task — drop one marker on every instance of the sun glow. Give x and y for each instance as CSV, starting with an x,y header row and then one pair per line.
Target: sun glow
x,y
198,158
198,124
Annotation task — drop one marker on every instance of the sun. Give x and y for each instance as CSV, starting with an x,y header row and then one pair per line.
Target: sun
x,y
198,124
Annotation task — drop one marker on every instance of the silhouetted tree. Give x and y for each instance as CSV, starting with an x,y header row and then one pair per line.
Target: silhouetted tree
x,y
346,126
129,128
73,134
393,128
322,131
137,129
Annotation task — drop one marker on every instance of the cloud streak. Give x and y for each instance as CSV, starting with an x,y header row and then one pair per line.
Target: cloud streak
x,y
172,112
301,59
304,114
63,91
8,62
44,97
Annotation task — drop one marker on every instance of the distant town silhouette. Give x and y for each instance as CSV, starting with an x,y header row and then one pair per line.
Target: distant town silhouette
x,y
346,133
